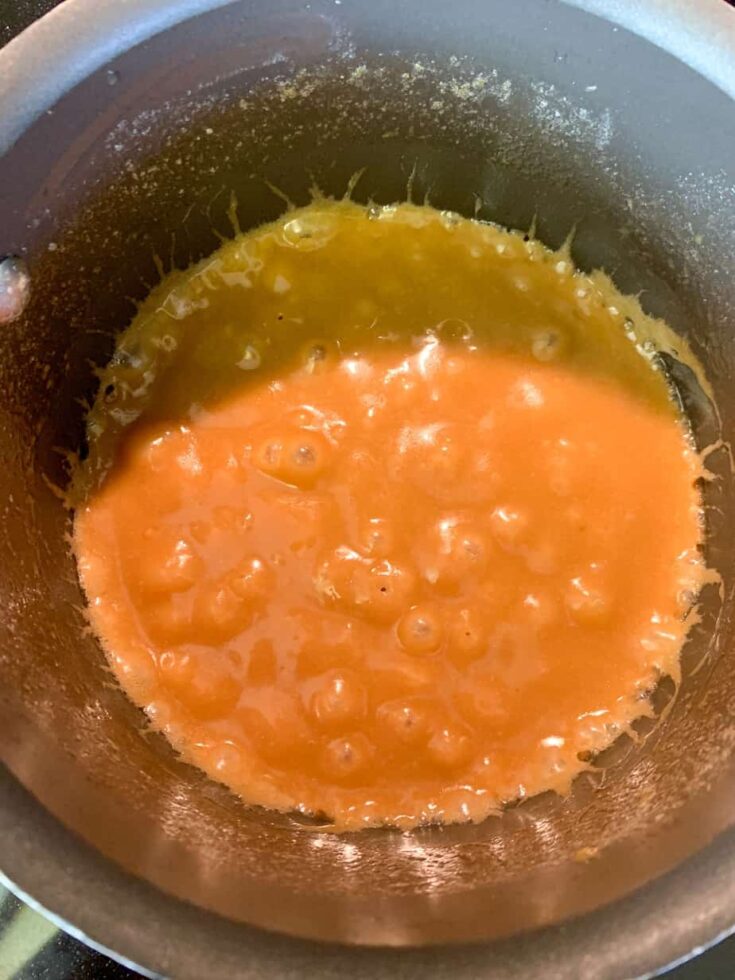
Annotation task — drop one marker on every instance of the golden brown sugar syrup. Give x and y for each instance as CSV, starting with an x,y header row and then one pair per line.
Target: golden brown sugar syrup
x,y
387,517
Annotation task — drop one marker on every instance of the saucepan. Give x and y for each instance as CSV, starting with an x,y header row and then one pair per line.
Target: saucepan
x,y
133,136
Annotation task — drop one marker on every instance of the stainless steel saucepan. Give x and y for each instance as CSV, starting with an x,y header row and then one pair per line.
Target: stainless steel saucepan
x,y
127,130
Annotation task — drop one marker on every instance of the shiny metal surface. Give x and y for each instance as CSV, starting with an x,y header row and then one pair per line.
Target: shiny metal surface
x,y
537,109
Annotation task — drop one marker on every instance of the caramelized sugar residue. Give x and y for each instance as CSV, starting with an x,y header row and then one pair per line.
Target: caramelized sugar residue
x,y
386,517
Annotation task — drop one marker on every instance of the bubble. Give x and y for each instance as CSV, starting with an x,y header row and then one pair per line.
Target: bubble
x,y
271,453
346,759
456,551
509,525
251,579
318,355
159,712
383,590
588,601
226,759
546,345
168,562
450,219
208,691
176,670
450,748
454,330
297,458
168,661
468,636
304,456
539,610
379,591
220,614
112,77
165,622
421,630
339,700
406,719
274,722
377,538
375,212
309,231
15,289
137,666
251,359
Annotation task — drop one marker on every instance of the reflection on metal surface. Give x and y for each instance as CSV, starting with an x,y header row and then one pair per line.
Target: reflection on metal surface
x,y
34,948
24,936
15,289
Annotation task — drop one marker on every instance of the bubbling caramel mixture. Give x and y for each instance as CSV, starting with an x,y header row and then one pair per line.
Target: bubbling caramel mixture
x,y
387,517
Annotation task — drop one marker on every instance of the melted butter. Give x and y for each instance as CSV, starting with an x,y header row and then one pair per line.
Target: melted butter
x,y
344,278
389,515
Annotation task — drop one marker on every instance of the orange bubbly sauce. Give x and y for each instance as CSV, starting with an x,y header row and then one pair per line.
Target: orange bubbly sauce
x,y
430,556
